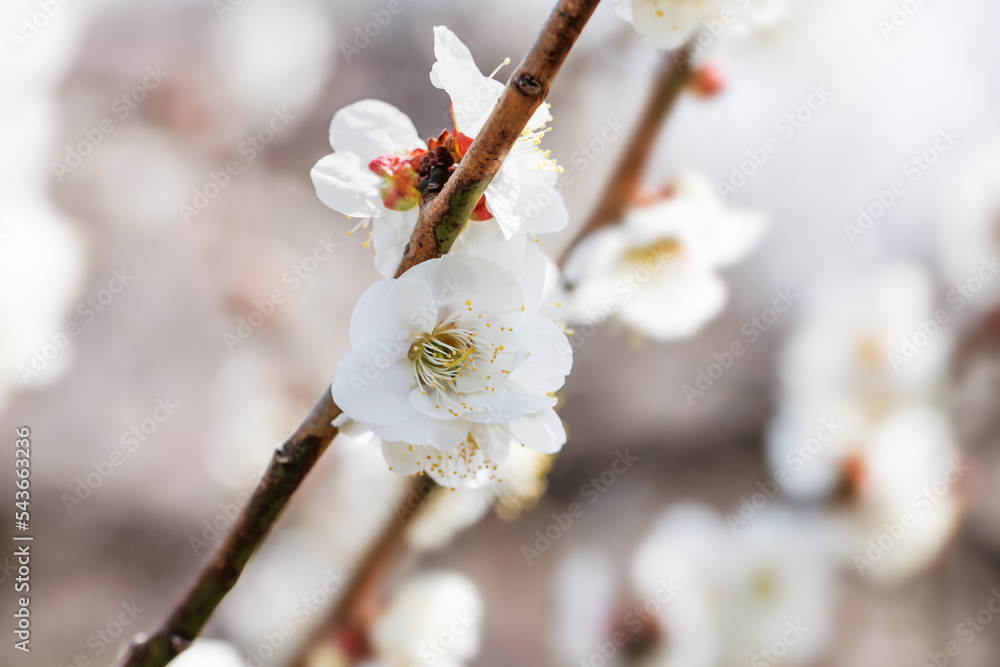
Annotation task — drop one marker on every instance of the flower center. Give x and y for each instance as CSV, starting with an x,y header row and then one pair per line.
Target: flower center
x,y
440,357
664,248
765,585
410,179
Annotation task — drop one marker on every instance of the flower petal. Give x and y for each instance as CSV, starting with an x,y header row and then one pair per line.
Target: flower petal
x,y
543,431
501,199
473,95
550,357
371,389
390,234
675,303
345,186
423,430
371,128
389,311
402,458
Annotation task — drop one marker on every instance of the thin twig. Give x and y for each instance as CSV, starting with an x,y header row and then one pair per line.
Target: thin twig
x,y
291,462
443,217
624,186
358,603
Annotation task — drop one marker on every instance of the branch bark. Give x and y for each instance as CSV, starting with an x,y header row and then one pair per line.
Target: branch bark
x,y
625,184
289,466
443,217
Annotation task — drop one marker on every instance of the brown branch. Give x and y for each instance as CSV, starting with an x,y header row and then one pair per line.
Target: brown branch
x,y
624,186
357,605
443,217
289,466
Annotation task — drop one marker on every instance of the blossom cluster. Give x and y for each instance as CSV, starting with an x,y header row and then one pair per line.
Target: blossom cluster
x,y
454,362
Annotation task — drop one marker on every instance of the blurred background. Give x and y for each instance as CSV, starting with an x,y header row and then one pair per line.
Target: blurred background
x,y
129,259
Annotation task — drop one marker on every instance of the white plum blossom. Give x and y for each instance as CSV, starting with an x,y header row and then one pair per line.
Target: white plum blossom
x,y
368,175
908,481
874,335
451,364
862,423
659,267
685,549
781,584
668,24
522,196
381,171
737,590
435,618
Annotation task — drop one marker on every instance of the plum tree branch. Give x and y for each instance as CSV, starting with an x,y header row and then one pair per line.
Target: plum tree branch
x,y
442,218
289,466
626,180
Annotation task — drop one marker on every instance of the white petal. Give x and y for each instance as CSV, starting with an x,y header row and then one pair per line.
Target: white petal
x,y
734,236
540,207
516,403
390,311
473,95
449,49
667,25
550,357
345,186
501,199
670,306
543,431
370,388
402,458
423,430
390,234
371,128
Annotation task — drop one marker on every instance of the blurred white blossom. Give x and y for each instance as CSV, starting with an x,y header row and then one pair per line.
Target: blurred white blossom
x,y
657,271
